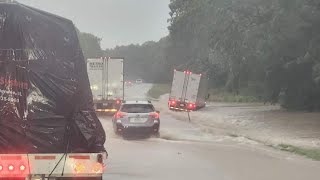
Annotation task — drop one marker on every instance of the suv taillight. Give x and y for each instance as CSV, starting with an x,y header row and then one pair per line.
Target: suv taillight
x,y
119,115
154,115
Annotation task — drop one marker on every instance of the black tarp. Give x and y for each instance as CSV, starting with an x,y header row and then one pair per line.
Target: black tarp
x,y
45,97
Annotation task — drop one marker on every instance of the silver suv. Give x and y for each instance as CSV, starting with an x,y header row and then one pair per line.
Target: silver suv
x,y
136,117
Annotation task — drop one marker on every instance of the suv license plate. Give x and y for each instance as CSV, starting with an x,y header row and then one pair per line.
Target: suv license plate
x,y
138,120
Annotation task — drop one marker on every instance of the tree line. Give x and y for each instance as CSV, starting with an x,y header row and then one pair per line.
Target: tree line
x,y
267,48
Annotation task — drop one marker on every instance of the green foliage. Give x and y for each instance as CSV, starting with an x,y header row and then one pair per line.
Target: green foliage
x,y
243,42
252,49
159,89
146,61
222,95
90,45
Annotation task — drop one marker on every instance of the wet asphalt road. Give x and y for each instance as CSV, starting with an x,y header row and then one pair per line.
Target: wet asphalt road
x,y
185,153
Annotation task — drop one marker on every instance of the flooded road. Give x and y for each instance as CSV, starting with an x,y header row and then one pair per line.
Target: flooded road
x,y
185,152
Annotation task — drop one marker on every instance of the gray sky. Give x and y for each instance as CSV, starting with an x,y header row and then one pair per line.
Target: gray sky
x,y
117,22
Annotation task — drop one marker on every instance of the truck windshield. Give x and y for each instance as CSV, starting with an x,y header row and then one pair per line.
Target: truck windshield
x,y
137,108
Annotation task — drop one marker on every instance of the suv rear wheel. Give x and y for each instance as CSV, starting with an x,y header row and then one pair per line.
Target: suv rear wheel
x,y
156,134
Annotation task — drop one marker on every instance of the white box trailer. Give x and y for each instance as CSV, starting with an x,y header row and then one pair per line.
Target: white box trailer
x,y
106,82
189,91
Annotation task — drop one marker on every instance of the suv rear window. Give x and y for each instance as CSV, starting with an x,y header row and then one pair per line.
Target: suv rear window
x,y
137,108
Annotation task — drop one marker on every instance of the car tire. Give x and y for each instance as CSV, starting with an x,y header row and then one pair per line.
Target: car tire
x,y
156,134
116,132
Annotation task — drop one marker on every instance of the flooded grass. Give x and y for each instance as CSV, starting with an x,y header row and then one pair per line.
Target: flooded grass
x,y
233,135
307,152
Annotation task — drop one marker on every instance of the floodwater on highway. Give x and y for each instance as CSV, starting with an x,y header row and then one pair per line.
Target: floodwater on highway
x,y
185,151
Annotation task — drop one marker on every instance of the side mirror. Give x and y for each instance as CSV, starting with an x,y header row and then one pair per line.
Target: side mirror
x,y
158,112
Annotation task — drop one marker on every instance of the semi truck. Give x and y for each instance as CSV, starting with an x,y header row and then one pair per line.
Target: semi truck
x,y
189,91
106,82
49,129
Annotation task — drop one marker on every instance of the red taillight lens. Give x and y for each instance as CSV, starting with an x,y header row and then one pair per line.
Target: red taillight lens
x,y
119,115
173,102
192,106
1,168
154,115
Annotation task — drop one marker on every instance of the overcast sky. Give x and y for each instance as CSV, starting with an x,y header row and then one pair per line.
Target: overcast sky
x,y
117,22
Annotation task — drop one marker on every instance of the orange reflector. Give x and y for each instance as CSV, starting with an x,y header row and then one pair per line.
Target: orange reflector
x,y
97,168
106,110
79,168
11,157
79,157
45,157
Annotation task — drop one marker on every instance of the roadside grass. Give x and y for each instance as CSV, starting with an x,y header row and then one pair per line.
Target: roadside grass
x,y
158,89
222,95
311,153
307,152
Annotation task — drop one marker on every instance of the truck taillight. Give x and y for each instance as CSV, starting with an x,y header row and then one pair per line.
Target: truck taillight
x,y
173,102
97,168
79,168
1,167
192,106
154,115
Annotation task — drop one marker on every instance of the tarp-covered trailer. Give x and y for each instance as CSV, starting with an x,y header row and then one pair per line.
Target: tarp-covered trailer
x,y
48,126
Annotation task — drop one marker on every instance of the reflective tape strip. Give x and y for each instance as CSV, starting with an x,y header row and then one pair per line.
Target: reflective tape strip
x,y
79,157
11,158
45,157
106,110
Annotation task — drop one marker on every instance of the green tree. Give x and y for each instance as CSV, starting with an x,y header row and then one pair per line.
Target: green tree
x,y
90,45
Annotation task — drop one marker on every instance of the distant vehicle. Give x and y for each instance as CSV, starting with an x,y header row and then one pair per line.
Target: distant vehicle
x,y
139,81
189,91
128,83
106,81
137,117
